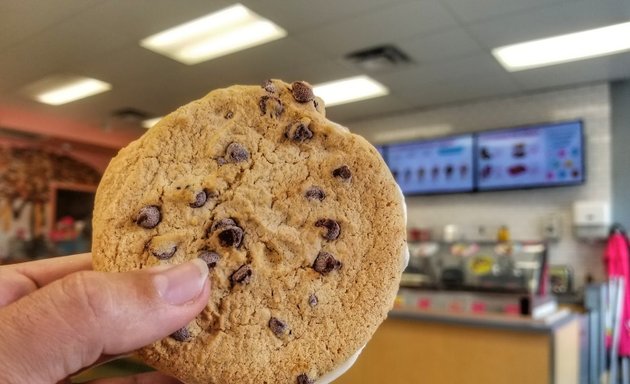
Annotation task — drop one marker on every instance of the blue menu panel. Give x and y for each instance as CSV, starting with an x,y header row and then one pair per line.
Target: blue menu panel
x,y
536,156
433,166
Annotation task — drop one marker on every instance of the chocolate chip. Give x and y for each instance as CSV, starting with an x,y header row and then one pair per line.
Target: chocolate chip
x,y
231,237
263,104
299,131
303,379
302,92
313,300
229,115
278,327
222,224
318,103
343,172
148,217
236,153
315,193
211,258
325,263
242,275
164,253
333,229
268,86
271,104
182,334
200,199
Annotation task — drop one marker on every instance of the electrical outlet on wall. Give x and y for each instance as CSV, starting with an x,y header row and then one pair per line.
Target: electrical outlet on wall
x,y
552,226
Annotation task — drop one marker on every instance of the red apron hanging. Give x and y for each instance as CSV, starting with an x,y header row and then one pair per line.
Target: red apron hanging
x,y
617,263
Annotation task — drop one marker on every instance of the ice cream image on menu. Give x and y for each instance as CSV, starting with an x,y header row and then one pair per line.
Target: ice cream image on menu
x,y
433,166
485,153
463,171
435,172
449,171
407,175
531,156
421,172
519,150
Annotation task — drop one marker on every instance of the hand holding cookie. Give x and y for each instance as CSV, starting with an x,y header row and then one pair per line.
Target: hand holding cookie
x,y
299,221
58,317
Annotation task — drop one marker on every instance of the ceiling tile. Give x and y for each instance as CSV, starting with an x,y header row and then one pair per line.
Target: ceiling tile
x,y
299,16
475,65
440,46
138,65
138,19
596,69
378,27
475,10
257,64
318,72
462,89
449,41
22,19
556,19
385,105
61,50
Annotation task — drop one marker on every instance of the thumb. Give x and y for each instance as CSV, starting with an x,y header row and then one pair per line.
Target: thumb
x,y
68,324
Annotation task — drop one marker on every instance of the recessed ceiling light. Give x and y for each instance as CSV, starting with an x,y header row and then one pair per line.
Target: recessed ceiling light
x,y
349,90
565,48
57,90
220,33
151,122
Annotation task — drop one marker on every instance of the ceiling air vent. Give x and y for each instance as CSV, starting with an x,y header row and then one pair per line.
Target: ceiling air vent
x,y
129,114
381,58
125,118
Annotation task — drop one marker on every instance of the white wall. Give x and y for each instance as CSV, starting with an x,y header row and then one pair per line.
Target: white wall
x,y
522,211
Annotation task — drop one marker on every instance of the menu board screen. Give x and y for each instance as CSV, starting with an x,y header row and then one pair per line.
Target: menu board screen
x,y
536,156
381,150
425,167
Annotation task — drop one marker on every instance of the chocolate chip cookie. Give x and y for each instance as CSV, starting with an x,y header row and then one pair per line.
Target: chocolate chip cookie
x,y
300,222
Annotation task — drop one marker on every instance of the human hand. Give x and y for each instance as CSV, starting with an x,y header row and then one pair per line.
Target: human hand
x,y
58,317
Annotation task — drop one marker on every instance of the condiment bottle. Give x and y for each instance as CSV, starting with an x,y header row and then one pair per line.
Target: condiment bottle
x,y
503,235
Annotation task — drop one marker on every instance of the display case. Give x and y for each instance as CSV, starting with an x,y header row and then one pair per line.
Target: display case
x,y
507,278
515,267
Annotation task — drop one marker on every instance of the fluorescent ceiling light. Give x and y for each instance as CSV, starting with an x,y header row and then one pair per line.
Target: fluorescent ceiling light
x,y
349,90
151,122
64,89
220,33
565,48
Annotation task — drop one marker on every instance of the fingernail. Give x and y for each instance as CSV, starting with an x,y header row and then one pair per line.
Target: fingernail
x,y
182,283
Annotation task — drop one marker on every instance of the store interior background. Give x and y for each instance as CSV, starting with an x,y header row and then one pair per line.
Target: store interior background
x,y
451,84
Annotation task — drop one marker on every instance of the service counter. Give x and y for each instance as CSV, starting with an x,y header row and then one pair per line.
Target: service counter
x,y
442,347
430,347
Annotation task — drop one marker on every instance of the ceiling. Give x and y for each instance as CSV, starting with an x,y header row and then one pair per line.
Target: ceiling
x,y
449,42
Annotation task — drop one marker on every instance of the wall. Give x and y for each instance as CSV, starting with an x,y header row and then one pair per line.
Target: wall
x,y
95,156
29,176
522,211
620,95
24,120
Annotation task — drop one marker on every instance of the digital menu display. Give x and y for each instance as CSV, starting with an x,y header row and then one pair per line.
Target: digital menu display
x,y
434,166
381,150
536,156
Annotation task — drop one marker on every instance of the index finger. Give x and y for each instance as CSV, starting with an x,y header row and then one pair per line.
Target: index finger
x,y
43,272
